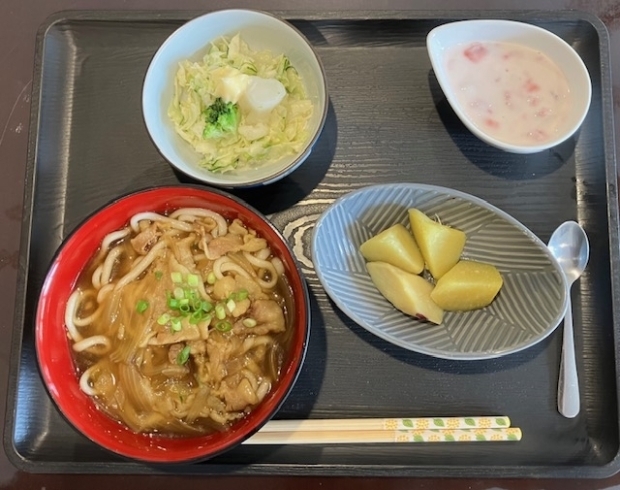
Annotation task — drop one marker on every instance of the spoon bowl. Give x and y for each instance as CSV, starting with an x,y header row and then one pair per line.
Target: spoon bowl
x,y
569,245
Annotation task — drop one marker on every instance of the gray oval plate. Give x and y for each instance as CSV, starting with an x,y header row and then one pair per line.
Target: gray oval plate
x,y
529,307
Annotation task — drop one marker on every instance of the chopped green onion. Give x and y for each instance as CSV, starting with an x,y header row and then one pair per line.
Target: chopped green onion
x,y
249,322
159,275
211,278
178,293
220,312
193,280
173,303
163,319
185,309
206,306
142,305
223,326
240,295
184,302
195,317
176,277
175,324
183,356
230,304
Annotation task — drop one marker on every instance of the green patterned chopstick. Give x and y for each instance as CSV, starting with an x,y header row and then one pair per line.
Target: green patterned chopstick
x,y
477,422
387,436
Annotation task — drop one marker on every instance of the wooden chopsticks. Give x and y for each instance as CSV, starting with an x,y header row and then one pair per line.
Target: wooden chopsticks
x,y
388,430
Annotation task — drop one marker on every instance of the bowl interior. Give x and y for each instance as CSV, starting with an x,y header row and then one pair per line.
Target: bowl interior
x,y
260,31
54,352
444,37
529,307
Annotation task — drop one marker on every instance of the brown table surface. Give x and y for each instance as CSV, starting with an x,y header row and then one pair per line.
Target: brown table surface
x,y
19,20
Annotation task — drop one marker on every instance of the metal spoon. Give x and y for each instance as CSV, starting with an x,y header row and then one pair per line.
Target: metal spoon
x,y
569,245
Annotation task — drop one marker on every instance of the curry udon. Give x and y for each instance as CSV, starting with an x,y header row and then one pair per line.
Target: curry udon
x,y
179,325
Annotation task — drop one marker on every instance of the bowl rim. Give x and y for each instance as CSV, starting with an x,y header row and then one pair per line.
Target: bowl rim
x,y
452,193
436,59
165,457
204,175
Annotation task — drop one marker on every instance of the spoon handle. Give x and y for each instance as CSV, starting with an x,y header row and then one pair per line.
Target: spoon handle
x,y
568,385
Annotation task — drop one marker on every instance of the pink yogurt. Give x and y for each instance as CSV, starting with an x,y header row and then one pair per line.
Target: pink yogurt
x,y
511,92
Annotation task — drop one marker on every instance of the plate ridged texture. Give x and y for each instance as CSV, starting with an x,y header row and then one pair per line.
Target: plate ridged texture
x,y
528,308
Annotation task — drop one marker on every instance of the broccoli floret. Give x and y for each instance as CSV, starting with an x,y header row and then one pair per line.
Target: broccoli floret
x,y
221,118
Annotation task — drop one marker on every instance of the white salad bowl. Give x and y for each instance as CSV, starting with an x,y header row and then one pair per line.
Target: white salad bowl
x,y
261,31
442,38
528,308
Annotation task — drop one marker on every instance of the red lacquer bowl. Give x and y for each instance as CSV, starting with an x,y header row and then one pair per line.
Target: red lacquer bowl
x,y
54,350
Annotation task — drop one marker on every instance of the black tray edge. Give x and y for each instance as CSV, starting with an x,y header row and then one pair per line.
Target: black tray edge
x,y
449,15
24,255
23,464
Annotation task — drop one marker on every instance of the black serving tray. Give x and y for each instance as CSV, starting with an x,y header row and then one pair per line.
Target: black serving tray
x,y
388,121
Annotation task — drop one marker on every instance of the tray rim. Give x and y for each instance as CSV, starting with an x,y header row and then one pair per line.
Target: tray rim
x,y
459,471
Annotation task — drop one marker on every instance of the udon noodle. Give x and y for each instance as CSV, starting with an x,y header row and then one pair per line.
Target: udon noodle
x,y
179,325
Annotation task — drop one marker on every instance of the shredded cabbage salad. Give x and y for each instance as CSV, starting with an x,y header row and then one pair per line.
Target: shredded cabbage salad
x,y
210,107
